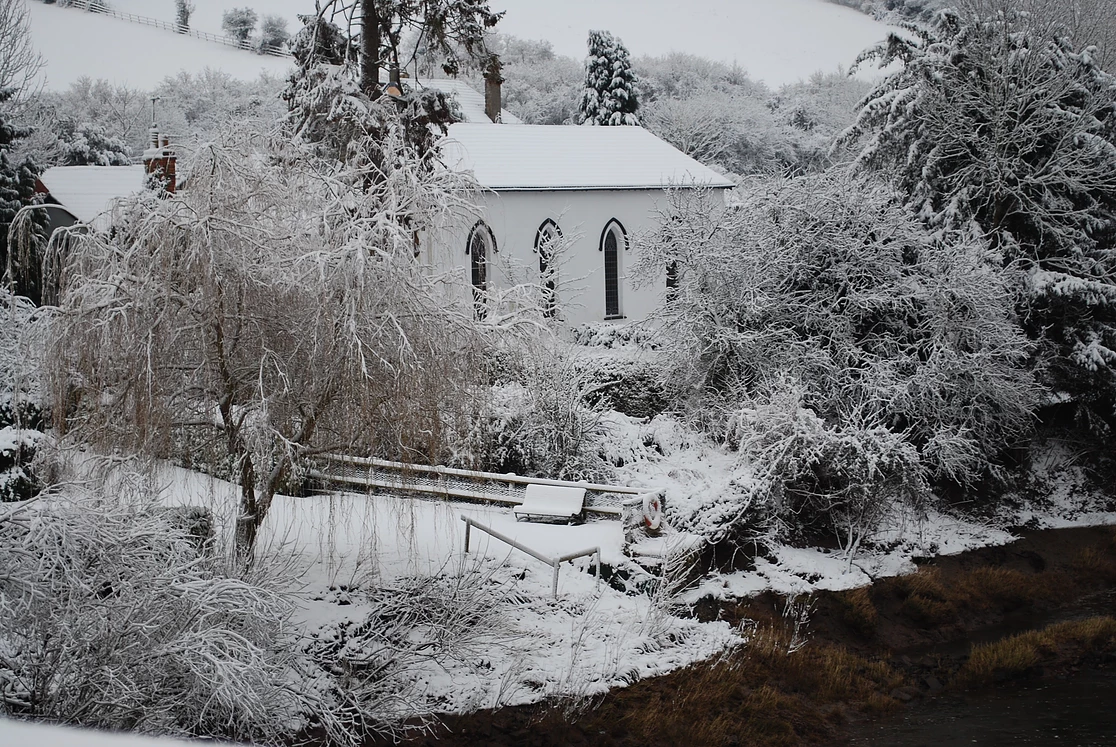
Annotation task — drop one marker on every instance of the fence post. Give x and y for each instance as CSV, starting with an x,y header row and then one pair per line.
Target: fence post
x,y
554,586
468,526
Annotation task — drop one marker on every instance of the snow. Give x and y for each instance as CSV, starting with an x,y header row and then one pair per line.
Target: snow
x,y
589,639
22,733
76,43
469,100
776,42
556,157
90,191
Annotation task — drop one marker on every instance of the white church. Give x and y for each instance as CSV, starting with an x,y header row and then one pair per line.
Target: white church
x,y
557,213
559,208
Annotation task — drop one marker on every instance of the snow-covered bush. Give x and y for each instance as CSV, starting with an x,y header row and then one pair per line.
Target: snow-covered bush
x,y
110,618
21,415
900,347
538,423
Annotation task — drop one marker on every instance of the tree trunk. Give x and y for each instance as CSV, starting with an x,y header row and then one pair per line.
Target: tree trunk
x,y
370,48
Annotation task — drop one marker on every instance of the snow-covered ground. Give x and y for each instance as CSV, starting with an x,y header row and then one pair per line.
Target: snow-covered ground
x,y
589,639
776,42
24,734
75,43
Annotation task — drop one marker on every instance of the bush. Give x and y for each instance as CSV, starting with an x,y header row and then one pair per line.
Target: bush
x,y
110,618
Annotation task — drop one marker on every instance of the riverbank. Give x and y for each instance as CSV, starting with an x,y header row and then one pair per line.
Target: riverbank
x,y
814,670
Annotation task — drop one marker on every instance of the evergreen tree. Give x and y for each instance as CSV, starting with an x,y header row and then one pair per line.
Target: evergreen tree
x,y
609,97
17,189
999,123
89,145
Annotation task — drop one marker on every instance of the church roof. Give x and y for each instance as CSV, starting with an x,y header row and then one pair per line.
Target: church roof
x,y
567,157
469,100
90,191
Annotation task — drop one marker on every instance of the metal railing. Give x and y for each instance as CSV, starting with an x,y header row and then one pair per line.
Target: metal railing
x,y
93,6
555,563
449,482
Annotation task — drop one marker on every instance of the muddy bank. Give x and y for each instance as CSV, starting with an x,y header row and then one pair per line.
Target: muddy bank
x,y
894,648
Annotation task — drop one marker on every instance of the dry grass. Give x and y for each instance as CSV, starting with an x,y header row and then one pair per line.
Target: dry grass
x,y
929,599
1061,643
858,611
762,694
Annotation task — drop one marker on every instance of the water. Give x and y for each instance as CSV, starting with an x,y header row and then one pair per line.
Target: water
x,y
1078,711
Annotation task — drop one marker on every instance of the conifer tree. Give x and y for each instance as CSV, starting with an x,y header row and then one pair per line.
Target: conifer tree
x,y
609,97
17,189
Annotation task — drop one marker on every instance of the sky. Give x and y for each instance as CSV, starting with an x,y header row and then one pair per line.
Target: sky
x,y
777,41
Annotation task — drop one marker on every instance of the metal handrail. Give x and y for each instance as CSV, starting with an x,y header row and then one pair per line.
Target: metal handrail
x,y
553,562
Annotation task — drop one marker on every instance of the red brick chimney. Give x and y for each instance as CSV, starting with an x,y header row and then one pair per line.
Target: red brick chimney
x,y
493,98
159,161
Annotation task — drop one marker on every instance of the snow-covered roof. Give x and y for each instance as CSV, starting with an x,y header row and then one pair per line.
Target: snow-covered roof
x,y
567,157
89,191
469,100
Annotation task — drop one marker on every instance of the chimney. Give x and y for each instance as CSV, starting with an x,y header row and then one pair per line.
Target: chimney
x,y
492,96
159,161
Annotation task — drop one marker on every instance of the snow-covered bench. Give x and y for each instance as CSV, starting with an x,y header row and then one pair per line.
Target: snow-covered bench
x,y
552,502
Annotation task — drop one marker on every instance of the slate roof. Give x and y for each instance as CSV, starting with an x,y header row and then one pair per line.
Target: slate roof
x,y
89,191
565,157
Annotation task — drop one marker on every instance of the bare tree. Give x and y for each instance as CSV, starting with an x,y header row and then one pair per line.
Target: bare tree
x,y
20,64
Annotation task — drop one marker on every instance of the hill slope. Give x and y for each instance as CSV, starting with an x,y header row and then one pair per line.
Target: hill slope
x,y
775,41
75,43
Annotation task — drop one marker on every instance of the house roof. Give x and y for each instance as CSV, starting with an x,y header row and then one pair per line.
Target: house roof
x,y
90,191
469,100
565,157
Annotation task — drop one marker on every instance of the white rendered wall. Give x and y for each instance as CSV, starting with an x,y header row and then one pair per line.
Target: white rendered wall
x,y
514,219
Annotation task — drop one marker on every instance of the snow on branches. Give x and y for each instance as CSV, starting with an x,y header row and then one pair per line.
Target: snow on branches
x,y
278,304
821,331
609,97
998,122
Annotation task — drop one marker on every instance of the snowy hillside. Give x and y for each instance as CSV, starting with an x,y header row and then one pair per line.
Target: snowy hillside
x,y
777,42
76,43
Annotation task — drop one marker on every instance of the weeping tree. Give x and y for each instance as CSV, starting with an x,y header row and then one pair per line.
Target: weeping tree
x,y
275,307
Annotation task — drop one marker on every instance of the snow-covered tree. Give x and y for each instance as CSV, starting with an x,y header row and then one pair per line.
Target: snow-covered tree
x,y
998,122
17,190
89,145
454,30
820,329
273,33
609,97
239,23
183,9
276,306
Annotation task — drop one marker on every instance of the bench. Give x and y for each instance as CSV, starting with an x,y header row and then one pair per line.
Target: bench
x,y
552,502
